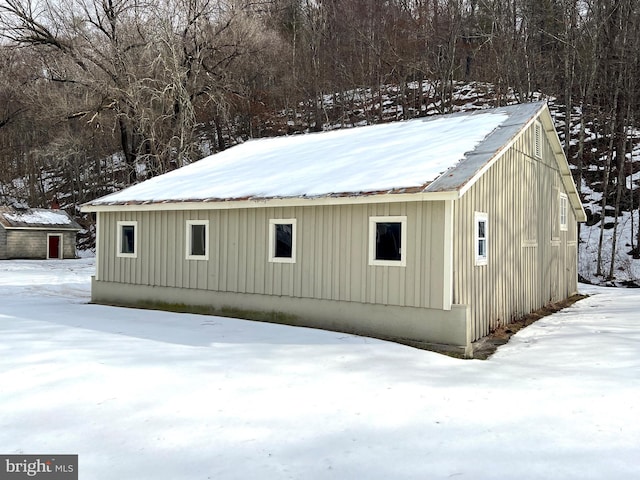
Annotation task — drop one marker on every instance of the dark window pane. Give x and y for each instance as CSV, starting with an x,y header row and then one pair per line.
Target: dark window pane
x,y
128,239
284,240
388,241
482,247
481,229
198,234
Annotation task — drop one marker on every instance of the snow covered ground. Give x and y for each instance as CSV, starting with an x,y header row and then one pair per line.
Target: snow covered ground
x,y
154,395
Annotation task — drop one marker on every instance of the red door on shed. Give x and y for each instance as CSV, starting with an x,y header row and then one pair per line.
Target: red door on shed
x,y
54,246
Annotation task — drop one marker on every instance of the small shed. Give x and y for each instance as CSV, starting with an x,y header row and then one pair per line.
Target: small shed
x,y
37,233
433,230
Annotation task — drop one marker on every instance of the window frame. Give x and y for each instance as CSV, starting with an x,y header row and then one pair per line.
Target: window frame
x,y
120,225
563,212
373,222
189,237
273,222
478,217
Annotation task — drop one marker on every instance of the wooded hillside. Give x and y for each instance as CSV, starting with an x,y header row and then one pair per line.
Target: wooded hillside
x,y
99,94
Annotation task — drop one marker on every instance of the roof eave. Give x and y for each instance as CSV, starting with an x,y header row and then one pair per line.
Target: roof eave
x,y
565,172
42,227
505,145
269,202
566,176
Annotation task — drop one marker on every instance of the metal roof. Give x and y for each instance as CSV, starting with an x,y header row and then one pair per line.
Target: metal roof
x,y
462,171
459,176
37,219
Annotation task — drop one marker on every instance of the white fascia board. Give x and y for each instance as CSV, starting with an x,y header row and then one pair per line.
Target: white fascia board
x,y
447,277
97,274
563,165
274,202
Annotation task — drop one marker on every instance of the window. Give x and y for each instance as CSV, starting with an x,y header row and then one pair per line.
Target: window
x,y
481,235
387,241
127,239
537,141
197,239
563,212
282,240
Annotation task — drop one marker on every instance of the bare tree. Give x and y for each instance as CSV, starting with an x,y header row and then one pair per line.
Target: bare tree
x,y
145,68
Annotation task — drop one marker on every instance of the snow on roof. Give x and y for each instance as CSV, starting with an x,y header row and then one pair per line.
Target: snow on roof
x,y
39,217
397,156
36,217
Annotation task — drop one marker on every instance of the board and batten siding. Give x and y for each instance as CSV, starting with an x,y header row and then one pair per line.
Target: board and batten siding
x,y
531,261
3,243
331,253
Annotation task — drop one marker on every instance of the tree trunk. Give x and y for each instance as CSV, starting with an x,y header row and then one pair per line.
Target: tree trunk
x,y
130,157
